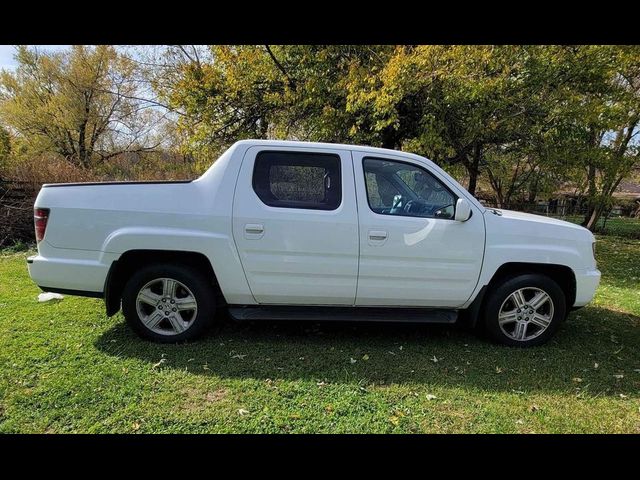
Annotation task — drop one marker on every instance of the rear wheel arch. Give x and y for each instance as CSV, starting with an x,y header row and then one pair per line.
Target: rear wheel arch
x,y
132,260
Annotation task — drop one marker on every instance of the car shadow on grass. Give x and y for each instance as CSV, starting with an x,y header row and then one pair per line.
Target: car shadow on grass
x,y
595,353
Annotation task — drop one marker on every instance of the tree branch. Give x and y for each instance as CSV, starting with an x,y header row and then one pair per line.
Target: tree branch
x,y
290,81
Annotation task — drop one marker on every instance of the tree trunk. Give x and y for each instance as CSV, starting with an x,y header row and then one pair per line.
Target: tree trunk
x,y
474,169
591,193
389,139
595,216
82,147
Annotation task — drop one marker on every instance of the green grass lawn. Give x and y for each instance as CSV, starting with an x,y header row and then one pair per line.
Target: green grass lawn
x,y
66,367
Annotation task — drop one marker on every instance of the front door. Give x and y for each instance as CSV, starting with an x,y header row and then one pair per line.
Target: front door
x,y
412,252
295,225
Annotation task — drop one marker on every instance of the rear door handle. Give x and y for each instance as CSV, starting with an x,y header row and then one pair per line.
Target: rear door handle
x,y
253,231
377,237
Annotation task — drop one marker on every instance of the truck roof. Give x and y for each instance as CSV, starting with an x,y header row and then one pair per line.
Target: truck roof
x,y
335,146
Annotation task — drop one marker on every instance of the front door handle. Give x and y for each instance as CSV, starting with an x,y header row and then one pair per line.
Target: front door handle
x,y
377,237
253,231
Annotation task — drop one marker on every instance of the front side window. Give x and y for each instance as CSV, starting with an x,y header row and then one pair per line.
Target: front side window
x,y
298,180
398,188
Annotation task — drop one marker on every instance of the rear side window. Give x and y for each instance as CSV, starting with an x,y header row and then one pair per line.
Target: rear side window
x,y
298,180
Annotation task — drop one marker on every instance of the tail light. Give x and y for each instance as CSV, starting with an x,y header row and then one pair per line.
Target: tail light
x,y
40,219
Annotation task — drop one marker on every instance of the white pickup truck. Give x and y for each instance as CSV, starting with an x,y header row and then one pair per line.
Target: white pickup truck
x,y
310,231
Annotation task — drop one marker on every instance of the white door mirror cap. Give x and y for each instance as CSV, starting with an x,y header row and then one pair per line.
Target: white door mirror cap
x,y
463,210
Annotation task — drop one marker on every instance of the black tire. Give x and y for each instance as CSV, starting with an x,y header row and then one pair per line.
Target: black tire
x,y
198,285
500,294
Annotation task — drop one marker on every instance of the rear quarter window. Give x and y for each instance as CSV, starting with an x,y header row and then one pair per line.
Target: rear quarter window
x,y
298,180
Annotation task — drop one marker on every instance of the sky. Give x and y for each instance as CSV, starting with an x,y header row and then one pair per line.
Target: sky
x,y
7,52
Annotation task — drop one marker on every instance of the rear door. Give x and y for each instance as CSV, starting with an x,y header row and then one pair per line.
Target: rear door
x,y
295,224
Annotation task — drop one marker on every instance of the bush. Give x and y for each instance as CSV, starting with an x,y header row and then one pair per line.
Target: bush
x,y
22,178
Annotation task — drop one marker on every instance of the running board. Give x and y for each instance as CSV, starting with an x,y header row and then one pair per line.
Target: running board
x,y
363,314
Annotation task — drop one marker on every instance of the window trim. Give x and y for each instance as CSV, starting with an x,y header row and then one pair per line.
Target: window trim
x,y
296,204
424,169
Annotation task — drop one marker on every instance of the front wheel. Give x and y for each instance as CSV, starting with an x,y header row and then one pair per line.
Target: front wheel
x,y
525,310
168,303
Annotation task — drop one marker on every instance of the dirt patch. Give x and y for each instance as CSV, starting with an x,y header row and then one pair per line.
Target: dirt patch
x,y
216,395
195,399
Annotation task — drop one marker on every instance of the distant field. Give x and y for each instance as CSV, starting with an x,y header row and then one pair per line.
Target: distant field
x,y
619,226
65,367
624,227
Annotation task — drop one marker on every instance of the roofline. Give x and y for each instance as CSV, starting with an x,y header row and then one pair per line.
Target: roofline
x,y
337,146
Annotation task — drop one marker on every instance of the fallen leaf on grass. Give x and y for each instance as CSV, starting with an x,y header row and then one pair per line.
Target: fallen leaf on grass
x,y
365,357
156,365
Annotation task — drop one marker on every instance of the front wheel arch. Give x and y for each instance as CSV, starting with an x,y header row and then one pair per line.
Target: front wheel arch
x,y
561,274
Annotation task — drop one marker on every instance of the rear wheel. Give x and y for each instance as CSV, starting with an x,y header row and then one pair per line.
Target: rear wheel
x,y
168,303
525,310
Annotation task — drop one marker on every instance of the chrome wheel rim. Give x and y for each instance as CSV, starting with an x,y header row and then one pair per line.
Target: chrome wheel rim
x,y
526,314
166,306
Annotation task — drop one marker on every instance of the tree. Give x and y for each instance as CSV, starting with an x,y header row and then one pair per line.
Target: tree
x,y
595,118
80,104
5,144
260,91
616,150
524,118
451,103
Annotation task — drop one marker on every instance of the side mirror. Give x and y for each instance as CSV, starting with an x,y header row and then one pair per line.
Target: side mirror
x,y
463,210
